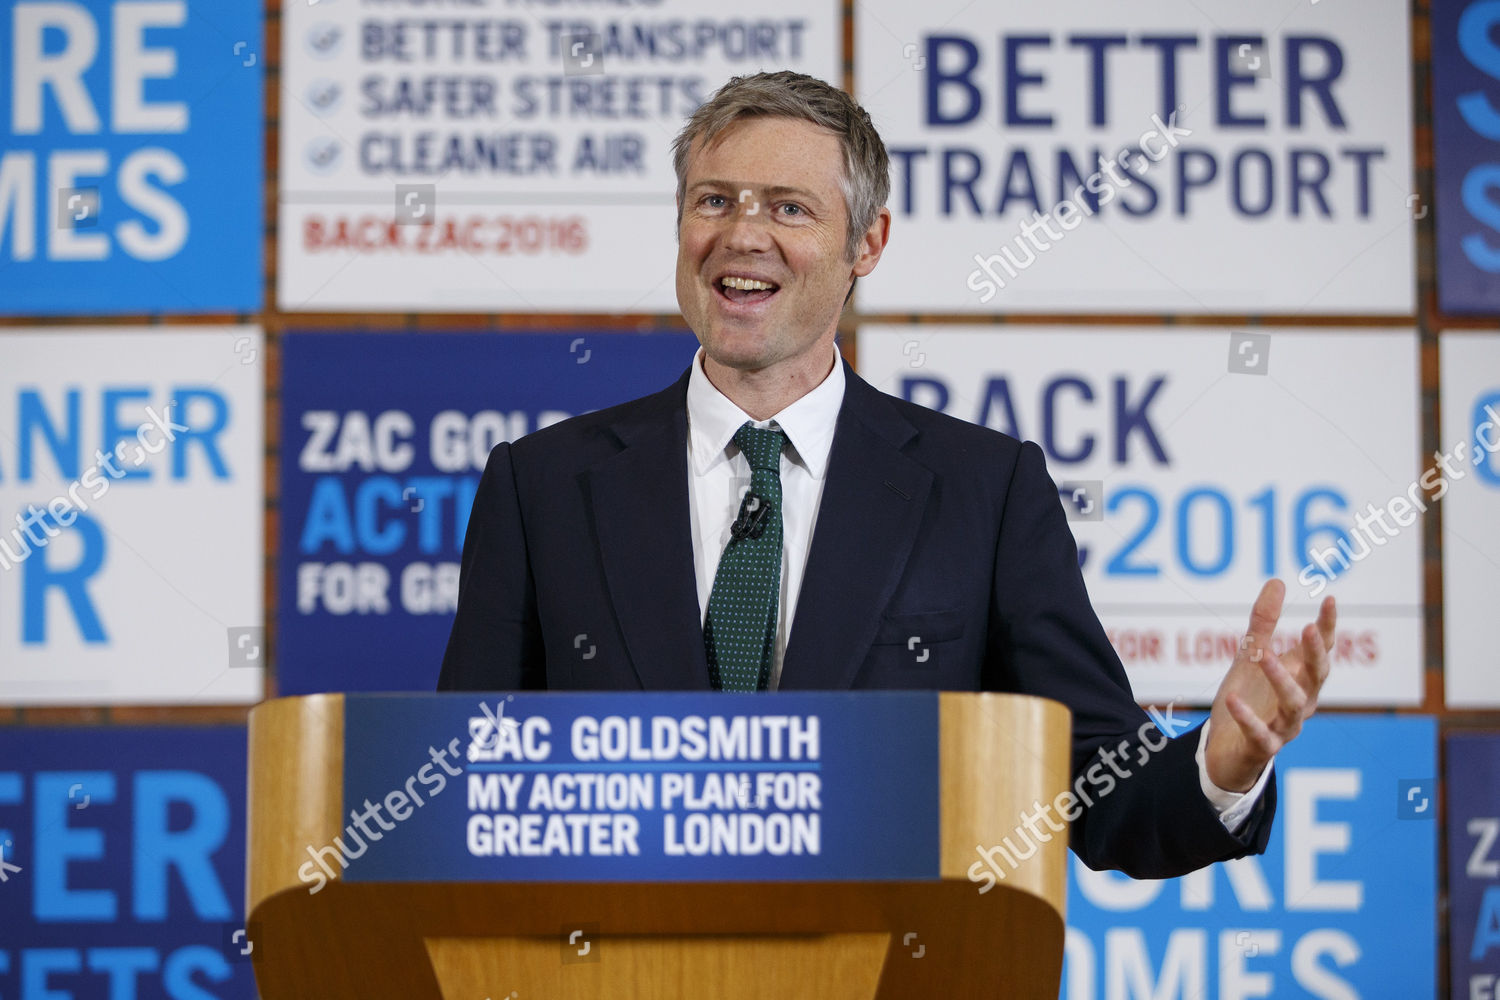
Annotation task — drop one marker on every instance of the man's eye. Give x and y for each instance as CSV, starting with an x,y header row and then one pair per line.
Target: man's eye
x,y
714,200
791,208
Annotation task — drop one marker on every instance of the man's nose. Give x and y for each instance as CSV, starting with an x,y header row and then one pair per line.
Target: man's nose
x,y
747,224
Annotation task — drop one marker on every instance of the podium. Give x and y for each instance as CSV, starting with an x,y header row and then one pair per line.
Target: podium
x,y
652,846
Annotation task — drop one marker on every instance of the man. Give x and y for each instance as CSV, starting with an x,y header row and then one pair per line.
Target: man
x,y
771,521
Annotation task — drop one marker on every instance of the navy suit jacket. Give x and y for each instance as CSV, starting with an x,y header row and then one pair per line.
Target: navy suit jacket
x,y
578,575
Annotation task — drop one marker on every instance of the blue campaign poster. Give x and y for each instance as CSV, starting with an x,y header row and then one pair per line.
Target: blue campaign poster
x,y
1473,774
1466,124
1343,903
383,441
123,870
131,157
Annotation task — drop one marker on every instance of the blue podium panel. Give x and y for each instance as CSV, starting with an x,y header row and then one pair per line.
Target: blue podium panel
x,y
648,787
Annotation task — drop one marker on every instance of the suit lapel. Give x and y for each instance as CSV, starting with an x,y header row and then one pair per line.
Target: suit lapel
x,y
867,522
640,510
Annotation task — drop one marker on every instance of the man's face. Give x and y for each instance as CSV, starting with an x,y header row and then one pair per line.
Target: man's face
x,y
763,203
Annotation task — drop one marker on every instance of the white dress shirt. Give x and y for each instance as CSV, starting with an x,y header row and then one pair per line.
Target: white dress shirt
x,y
719,476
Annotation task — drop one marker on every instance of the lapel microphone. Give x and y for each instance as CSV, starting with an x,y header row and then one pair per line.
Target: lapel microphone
x,y
752,518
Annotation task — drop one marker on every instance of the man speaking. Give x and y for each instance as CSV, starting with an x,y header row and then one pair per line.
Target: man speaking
x,y
773,522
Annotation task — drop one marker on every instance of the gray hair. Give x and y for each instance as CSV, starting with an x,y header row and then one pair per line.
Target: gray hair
x,y
866,178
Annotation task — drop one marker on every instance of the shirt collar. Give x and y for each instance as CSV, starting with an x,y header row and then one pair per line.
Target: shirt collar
x,y
808,423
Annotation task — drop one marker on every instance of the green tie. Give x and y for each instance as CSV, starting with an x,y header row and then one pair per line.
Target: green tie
x,y
740,632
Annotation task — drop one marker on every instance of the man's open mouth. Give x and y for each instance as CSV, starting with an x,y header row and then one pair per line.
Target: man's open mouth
x,y
746,290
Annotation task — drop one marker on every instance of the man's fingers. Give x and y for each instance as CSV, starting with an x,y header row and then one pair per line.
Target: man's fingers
x,y
1318,662
1252,729
1328,617
1291,699
1266,612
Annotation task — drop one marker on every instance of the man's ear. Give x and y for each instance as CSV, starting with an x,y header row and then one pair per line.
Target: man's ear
x,y
872,243
871,246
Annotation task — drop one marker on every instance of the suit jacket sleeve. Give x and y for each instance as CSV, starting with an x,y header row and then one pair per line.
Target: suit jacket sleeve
x,y
495,644
1148,816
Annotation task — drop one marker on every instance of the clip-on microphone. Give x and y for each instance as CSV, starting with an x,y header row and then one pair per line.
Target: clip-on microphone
x,y
752,518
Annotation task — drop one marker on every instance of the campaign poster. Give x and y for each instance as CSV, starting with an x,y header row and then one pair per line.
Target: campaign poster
x,y
384,437
1470,366
122,864
1466,155
1179,156
1473,773
130,157
493,156
1342,904
1194,464
131,515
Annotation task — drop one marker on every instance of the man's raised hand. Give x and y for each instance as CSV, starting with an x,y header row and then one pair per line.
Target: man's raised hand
x,y
1263,700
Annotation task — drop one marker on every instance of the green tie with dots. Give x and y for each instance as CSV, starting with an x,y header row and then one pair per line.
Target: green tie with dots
x,y
740,632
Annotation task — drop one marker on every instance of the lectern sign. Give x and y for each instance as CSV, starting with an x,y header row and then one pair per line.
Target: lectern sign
x,y
588,787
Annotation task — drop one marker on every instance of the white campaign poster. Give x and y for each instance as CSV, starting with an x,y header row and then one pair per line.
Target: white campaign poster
x,y
1470,395
1186,156
492,156
131,515
1196,463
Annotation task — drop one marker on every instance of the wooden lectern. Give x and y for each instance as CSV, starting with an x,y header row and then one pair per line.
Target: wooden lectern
x,y
996,755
